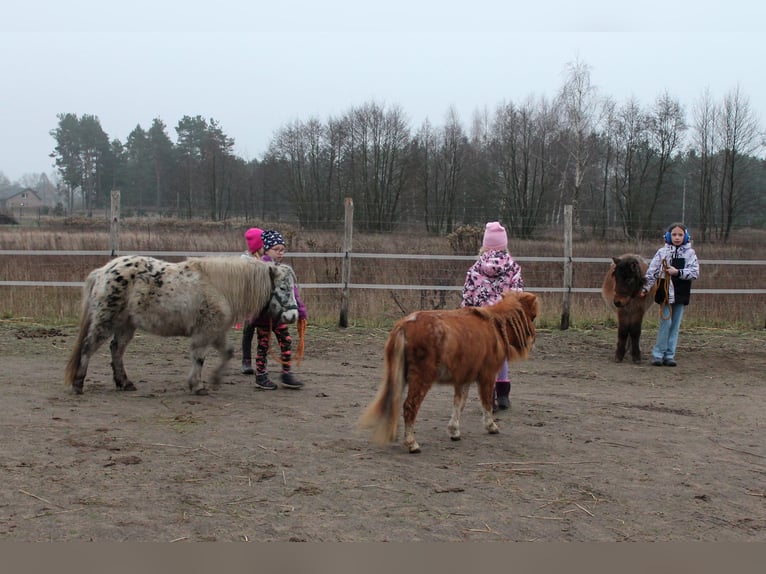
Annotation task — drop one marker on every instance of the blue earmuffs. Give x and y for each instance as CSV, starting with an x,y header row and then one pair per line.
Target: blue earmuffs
x,y
669,240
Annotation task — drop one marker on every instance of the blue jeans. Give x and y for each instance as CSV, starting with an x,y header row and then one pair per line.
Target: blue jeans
x,y
667,334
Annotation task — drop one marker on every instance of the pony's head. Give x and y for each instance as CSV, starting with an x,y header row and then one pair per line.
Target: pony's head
x,y
628,279
283,306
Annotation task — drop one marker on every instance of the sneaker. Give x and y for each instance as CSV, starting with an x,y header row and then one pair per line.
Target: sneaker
x,y
669,363
657,363
247,368
289,381
263,382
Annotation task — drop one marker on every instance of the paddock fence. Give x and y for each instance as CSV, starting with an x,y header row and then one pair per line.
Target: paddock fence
x,y
728,291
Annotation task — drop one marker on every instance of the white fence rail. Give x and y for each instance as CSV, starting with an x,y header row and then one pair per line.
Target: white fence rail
x,y
387,286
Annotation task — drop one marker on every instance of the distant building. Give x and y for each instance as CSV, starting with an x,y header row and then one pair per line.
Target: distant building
x,y
26,198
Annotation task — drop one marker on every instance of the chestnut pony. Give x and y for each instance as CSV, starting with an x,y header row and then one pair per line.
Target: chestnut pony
x,y
456,347
621,292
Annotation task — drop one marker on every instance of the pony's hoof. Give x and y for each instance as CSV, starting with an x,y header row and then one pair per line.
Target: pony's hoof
x,y
128,387
415,449
78,390
456,437
202,392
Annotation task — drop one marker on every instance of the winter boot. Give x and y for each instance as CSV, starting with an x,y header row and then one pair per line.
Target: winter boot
x,y
263,382
247,367
290,382
502,390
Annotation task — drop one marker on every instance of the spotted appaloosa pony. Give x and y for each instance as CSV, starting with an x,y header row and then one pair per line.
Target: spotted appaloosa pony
x,y
621,289
199,298
456,347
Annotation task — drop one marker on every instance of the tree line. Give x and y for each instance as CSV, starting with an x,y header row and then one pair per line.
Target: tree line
x,y
625,166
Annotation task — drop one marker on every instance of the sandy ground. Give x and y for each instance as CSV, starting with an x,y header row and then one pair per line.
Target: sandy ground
x,y
591,450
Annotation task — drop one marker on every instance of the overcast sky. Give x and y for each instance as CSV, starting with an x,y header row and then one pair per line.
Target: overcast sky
x,y
255,66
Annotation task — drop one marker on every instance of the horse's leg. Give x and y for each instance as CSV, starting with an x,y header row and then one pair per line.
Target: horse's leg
x,y
97,335
198,348
635,339
416,392
117,347
458,404
226,352
622,337
486,394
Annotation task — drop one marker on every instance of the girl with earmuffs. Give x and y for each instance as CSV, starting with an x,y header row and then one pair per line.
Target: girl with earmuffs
x,y
675,266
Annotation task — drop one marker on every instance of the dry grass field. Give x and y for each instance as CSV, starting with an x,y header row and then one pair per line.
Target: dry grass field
x,y
375,307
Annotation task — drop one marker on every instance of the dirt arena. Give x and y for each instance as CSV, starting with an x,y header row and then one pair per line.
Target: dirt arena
x,y
591,450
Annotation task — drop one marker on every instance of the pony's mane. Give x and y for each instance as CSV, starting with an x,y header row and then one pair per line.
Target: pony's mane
x,y
513,318
243,282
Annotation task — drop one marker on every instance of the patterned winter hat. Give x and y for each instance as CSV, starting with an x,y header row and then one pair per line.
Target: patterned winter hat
x,y
254,239
495,236
271,238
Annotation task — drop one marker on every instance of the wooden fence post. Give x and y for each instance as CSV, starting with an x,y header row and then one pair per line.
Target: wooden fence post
x,y
114,226
566,303
347,247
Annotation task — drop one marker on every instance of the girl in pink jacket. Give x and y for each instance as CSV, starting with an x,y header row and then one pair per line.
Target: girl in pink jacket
x,y
486,280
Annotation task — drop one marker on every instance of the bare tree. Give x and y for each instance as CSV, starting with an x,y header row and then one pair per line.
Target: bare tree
x,y
519,156
608,143
289,154
579,106
740,137
705,142
666,125
426,176
380,139
440,159
631,168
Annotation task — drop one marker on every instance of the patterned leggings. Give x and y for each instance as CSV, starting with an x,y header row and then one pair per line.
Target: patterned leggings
x,y
262,350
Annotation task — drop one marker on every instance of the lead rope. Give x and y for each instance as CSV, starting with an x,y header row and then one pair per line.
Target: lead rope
x,y
666,301
301,343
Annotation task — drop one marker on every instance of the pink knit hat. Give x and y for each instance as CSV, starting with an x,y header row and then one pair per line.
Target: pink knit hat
x,y
495,236
254,238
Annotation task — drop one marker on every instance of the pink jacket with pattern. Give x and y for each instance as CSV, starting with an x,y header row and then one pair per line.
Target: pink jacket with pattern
x,y
492,274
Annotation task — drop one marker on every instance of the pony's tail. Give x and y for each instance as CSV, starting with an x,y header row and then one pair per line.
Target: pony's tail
x,y
75,359
382,415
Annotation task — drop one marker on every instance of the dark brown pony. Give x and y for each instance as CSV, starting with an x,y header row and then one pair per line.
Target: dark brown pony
x,y
621,292
454,347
